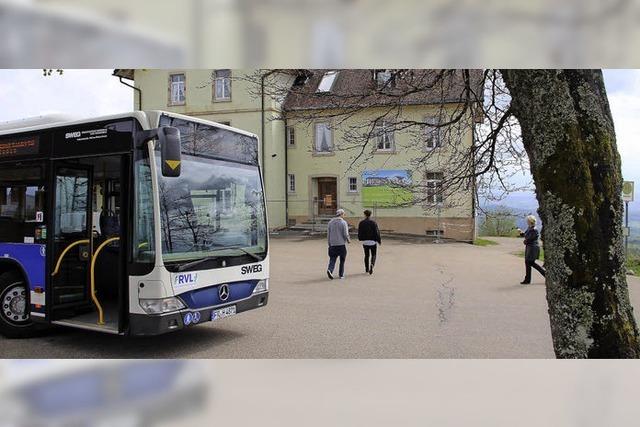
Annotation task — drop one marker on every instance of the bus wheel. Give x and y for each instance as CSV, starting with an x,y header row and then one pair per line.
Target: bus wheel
x,y
15,321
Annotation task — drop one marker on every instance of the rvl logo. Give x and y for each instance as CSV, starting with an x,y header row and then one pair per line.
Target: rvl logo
x,y
186,279
247,269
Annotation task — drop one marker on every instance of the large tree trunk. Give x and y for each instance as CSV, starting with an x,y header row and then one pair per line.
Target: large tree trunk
x,y
567,130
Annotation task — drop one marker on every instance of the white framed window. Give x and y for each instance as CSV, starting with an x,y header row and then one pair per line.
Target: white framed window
x,y
323,138
222,85
291,136
434,187
432,134
385,140
328,79
292,183
353,184
177,89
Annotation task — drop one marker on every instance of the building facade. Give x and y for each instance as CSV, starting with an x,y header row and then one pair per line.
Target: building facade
x,y
308,169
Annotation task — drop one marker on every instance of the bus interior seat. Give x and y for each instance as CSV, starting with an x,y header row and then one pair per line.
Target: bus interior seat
x,y
107,271
109,224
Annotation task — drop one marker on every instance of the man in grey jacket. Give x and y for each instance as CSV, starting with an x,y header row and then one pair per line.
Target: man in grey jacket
x,y
337,237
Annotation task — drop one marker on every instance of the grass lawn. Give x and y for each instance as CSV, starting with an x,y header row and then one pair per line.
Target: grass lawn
x,y
485,242
633,264
633,261
385,195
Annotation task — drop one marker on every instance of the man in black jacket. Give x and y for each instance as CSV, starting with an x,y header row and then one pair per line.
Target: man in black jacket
x,y
369,235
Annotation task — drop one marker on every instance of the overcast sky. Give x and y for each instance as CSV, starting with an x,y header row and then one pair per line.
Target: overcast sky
x,y
86,93
623,90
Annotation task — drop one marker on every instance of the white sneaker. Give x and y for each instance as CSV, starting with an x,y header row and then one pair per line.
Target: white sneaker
x,y
342,277
330,275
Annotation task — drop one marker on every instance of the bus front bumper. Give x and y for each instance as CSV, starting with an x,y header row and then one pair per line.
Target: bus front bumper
x,y
147,324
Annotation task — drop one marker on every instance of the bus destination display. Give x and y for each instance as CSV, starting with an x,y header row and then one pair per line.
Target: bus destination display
x,y
18,146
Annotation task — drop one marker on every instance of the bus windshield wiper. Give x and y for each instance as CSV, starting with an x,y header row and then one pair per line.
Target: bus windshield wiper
x,y
188,265
251,254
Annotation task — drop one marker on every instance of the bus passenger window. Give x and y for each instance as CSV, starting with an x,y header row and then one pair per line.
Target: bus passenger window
x,y
22,203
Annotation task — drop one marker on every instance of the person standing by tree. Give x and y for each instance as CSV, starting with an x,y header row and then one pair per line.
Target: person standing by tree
x,y
337,238
369,235
532,250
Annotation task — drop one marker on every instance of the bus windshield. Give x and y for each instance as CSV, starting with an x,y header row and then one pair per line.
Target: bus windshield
x,y
215,208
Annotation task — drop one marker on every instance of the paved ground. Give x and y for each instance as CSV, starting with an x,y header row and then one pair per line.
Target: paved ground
x,y
449,300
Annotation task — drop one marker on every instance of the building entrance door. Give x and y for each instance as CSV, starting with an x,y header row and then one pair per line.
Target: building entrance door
x,y
327,196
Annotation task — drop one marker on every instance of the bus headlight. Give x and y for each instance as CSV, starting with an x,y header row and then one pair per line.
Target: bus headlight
x,y
162,305
262,286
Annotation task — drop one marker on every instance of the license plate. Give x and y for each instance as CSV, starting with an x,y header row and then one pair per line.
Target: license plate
x,y
223,312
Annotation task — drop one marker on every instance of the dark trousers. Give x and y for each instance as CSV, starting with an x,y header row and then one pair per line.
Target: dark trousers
x,y
336,252
370,251
532,263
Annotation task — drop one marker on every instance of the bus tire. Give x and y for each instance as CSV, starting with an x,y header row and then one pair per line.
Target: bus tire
x,y
15,321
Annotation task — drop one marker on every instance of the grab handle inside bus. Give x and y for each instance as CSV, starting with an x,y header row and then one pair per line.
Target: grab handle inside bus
x,y
64,252
170,151
94,296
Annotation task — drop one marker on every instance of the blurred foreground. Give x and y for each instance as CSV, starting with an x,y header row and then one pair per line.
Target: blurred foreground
x,y
318,393
99,393
331,33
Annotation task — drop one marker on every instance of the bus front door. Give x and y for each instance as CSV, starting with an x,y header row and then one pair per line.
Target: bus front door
x,y
71,241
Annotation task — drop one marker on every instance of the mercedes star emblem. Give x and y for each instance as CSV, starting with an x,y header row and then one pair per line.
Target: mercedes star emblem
x,y
223,292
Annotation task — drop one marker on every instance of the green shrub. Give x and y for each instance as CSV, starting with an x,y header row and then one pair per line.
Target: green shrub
x,y
633,263
499,222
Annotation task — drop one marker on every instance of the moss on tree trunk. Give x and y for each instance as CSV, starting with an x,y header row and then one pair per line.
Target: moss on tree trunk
x,y
568,133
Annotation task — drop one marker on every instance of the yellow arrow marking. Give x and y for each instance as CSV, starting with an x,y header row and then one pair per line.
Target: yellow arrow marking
x,y
173,164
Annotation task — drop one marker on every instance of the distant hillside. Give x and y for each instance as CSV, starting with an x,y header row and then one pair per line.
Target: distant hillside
x,y
524,203
521,204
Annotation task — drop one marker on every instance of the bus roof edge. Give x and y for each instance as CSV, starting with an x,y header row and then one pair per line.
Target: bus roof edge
x,y
48,119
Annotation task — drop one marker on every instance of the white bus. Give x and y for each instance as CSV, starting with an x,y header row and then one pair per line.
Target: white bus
x,y
139,224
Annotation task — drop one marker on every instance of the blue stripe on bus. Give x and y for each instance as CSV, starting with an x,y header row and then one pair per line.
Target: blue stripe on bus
x,y
207,297
29,256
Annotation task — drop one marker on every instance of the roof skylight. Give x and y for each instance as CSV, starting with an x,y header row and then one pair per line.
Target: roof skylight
x,y
327,81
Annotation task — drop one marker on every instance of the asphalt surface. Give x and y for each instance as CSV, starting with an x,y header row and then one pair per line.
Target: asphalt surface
x,y
425,300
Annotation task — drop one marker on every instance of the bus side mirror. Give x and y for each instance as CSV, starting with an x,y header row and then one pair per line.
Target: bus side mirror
x,y
170,151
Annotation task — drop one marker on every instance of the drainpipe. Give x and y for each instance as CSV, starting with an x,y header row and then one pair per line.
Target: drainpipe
x,y
137,89
262,132
286,176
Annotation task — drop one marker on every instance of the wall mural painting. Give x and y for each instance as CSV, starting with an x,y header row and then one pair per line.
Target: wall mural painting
x,y
386,188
